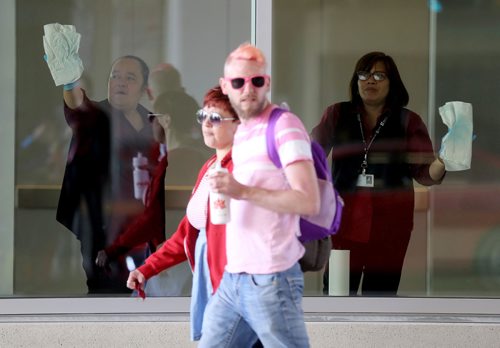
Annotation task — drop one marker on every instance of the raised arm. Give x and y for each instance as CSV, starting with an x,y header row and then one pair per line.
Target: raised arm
x,y
73,97
427,169
437,169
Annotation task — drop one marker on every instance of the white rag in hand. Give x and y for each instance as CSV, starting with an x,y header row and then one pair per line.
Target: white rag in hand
x,y
456,145
61,44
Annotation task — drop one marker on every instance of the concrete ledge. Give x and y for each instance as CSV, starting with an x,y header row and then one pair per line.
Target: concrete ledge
x,y
403,335
129,331
331,322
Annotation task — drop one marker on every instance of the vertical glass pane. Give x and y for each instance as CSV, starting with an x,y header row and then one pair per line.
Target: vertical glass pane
x,y
465,239
454,248
185,44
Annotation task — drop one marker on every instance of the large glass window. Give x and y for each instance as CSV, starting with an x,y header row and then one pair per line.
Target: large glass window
x,y
444,50
464,240
193,38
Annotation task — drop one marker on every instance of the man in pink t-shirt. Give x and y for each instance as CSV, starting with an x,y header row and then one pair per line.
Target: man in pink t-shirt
x,y
262,284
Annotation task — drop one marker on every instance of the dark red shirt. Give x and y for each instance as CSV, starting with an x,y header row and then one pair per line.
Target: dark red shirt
x,y
400,153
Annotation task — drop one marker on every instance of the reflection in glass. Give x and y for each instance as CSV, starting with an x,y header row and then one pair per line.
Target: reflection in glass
x,y
97,200
453,248
173,128
48,259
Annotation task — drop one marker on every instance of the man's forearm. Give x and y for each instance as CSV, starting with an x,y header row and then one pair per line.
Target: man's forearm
x,y
281,201
73,98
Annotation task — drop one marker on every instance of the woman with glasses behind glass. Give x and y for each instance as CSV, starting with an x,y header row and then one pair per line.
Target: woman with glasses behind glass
x,y
378,147
197,239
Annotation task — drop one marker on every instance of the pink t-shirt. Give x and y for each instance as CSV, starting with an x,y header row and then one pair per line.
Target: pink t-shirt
x,y
258,240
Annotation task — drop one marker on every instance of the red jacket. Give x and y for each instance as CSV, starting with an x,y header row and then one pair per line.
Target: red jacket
x,y
181,245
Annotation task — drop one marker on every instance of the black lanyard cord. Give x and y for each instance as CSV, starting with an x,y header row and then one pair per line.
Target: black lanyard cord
x,y
364,164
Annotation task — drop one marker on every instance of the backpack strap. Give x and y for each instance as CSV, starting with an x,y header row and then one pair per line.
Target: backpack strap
x,y
272,152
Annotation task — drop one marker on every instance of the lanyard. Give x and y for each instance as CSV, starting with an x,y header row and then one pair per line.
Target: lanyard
x,y
364,164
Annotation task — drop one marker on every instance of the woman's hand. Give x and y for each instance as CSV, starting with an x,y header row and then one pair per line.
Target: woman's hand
x,y
101,259
225,183
136,280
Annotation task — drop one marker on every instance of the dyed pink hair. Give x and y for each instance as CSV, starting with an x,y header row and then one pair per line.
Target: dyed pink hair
x,y
246,52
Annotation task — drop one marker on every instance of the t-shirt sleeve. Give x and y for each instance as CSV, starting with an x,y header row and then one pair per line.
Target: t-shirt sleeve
x,y
292,140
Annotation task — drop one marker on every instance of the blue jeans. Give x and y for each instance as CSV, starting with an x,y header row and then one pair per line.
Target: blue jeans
x,y
201,292
268,304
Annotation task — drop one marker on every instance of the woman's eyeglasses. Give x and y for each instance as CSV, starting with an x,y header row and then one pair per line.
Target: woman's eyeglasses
x,y
377,75
238,82
214,118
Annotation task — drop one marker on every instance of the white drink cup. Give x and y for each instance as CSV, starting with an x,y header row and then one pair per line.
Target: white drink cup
x,y
219,203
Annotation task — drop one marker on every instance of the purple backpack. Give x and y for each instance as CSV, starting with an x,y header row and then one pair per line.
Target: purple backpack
x,y
315,230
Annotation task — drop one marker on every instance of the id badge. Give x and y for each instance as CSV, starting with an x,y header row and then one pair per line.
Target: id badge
x,y
365,180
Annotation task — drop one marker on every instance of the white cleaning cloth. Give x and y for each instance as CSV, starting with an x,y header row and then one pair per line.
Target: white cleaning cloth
x,y
456,145
61,44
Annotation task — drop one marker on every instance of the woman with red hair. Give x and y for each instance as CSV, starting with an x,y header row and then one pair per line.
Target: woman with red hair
x,y
197,240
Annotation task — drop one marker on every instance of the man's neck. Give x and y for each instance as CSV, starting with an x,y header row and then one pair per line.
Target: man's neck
x,y
248,118
134,119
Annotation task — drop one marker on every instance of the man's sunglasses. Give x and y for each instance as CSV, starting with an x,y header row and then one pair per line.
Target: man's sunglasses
x,y
214,118
238,82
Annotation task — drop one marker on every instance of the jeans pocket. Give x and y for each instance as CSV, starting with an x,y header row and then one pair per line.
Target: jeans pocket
x,y
262,280
296,285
